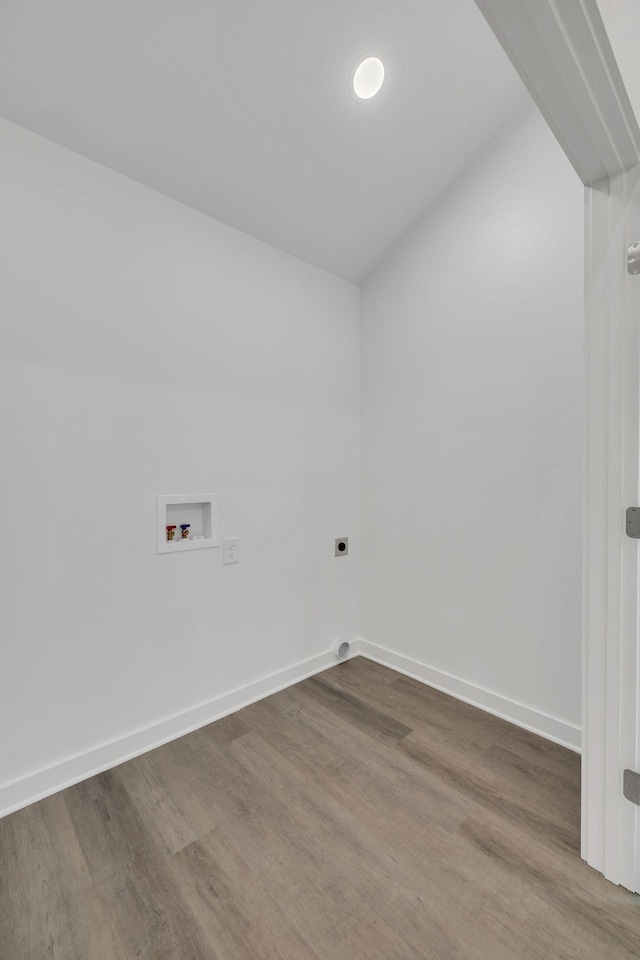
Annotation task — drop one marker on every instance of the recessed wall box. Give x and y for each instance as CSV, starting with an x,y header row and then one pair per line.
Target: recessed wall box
x,y
342,546
199,510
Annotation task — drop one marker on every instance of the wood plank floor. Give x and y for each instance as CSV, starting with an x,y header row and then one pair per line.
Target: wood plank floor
x,y
356,815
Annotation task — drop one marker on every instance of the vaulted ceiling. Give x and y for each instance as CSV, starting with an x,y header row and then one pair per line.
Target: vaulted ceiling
x,y
242,109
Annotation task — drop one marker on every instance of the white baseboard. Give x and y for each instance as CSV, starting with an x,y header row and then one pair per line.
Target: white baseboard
x,y
42,783
551,728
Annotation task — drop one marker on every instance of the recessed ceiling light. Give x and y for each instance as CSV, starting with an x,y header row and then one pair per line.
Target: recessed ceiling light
x,y
368,78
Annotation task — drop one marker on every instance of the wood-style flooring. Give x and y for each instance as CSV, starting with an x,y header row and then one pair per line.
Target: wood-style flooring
x,y
356,816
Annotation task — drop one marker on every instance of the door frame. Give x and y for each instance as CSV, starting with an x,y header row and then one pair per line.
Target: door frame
x,y
562,52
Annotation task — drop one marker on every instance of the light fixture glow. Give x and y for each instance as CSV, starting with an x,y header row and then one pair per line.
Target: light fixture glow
x,y
368,78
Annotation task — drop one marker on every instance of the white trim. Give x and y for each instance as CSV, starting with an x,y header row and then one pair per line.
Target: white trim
x,y
42,783
563,55
26,790
536,721
610,832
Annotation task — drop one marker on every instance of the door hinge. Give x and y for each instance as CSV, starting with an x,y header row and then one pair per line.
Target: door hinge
x,y
633,522
631,786
633,258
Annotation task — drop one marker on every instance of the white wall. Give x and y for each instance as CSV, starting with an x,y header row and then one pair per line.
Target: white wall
x,y
147,349
472,427
620,18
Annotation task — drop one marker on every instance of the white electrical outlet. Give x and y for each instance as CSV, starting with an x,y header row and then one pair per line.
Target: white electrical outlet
x,y
231,550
